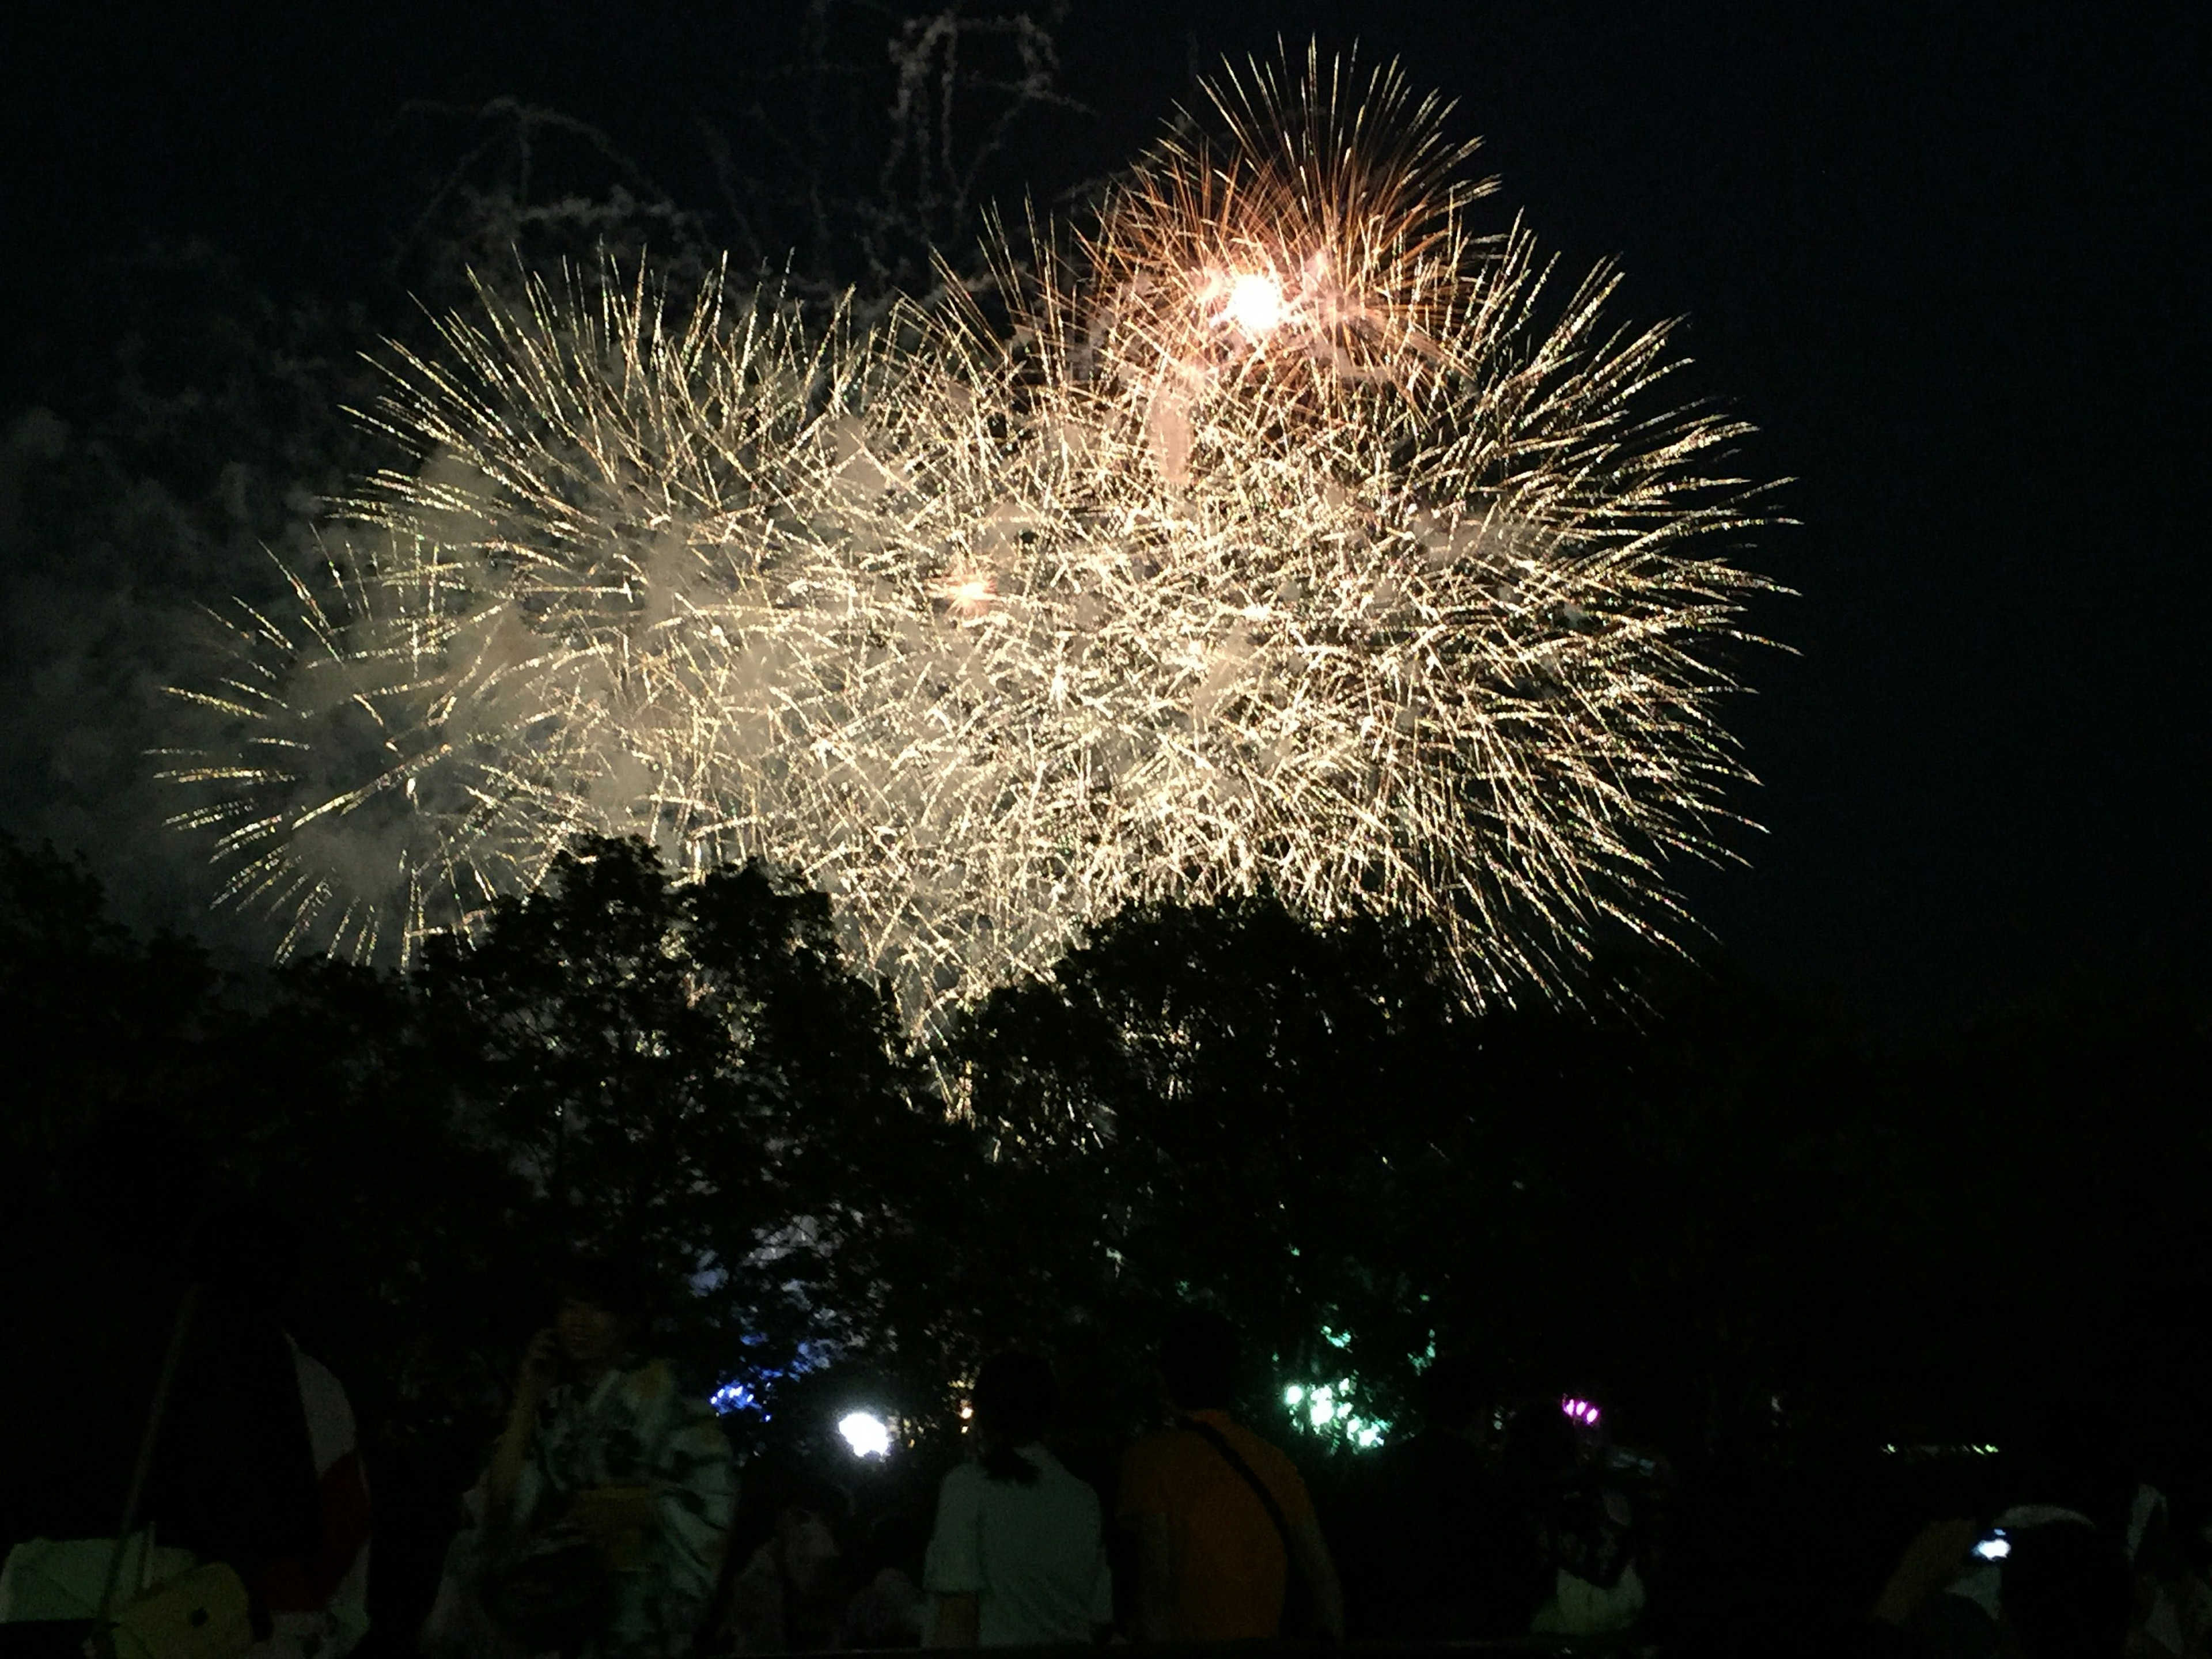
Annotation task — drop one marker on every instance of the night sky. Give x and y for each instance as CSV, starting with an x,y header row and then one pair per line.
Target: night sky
x,y
1949,259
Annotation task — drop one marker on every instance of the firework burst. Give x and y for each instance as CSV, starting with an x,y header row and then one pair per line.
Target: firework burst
x,y
541,628
1367,567
1317,221
1287,532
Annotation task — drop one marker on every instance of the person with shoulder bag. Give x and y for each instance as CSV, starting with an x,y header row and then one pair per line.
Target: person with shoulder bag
x,y
1228,1547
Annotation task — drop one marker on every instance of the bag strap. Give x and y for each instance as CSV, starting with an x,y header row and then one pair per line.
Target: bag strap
x,y
1231,1455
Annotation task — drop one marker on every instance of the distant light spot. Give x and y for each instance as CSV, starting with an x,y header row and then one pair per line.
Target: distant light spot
x,y
867,1436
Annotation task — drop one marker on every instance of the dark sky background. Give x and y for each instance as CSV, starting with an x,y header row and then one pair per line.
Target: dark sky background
x,y
1949,259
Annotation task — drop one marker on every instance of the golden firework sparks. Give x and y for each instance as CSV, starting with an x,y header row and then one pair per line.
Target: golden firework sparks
x,y
1295,535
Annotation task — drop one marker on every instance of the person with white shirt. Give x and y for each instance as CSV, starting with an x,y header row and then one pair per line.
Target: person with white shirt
x,y
1018,1555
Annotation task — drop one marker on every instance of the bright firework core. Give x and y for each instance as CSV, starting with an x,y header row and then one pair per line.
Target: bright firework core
x,y
1255,304
968,596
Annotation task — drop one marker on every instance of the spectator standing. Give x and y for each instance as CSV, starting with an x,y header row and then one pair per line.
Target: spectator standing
x,y
1221,1518
888,1609
2065,1594
785,1594
601,1520
1588,1530
1440,1556
1018,1556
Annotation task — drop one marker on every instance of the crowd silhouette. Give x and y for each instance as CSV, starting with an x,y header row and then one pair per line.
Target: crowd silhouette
x,y
612,1520
1628,1307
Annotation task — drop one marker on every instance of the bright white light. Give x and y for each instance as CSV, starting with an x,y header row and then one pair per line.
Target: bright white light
x,y
1995,1547
969,594
1581,1411
1324,1411
868,1437
1255,303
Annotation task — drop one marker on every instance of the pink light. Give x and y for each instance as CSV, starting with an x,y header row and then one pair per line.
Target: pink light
x,y
1581,1411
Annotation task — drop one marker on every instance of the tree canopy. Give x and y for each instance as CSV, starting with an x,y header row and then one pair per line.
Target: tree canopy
x,y
1755,1233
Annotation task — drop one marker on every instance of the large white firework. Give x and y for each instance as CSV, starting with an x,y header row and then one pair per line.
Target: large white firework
x,y
1279,532
503,644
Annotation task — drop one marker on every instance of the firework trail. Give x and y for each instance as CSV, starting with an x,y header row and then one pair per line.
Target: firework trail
x,y
1284,531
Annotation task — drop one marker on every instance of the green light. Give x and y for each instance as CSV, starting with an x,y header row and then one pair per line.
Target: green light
x,y
1327,1409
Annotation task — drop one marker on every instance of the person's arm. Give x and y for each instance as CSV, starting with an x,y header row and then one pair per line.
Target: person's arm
x,y
531,1384
1102,1595
1154,1577
688,1509
957,1621
1309,1556
1931,1561
952,1568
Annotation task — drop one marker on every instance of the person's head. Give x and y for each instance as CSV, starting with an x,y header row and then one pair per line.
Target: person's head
x,y
599,1305
807,1537
1457,1396
2067,1593
2077,1459
1199,1359
1015,1398
246,1257
135,1181
1540,1445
